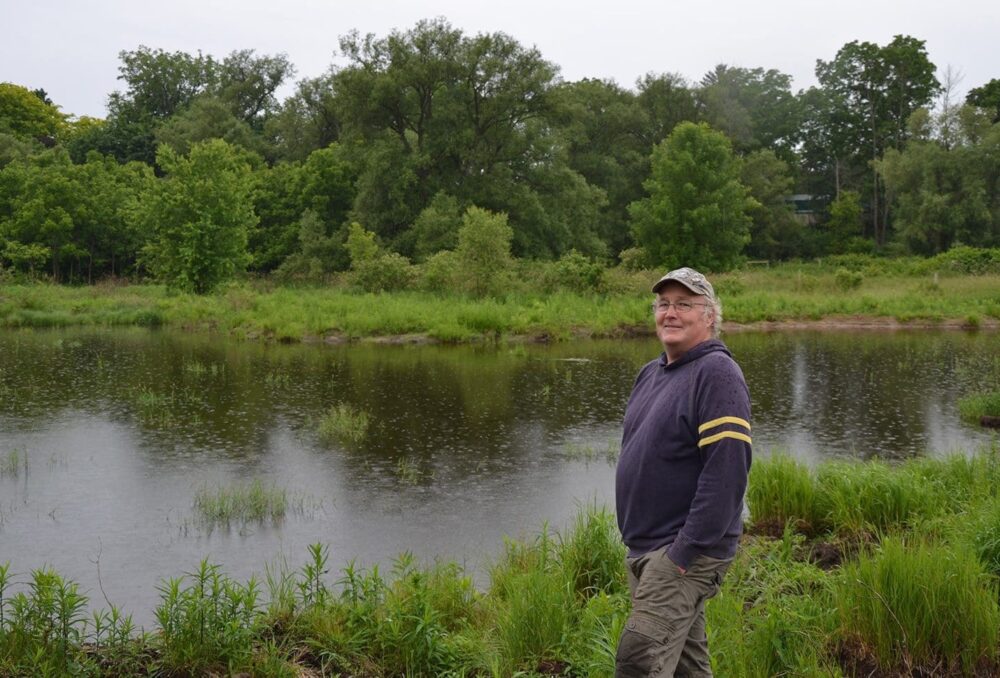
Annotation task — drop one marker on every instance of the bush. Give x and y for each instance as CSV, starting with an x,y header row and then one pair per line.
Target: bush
x,y
966,260
573,271
387,272
848,280
440,272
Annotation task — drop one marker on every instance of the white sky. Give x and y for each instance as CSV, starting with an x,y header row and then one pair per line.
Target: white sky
x,y
70,47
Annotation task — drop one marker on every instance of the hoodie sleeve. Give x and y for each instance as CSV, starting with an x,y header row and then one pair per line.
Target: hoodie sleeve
x,y
722,402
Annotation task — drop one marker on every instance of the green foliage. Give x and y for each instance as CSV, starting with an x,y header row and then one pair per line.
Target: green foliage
x,y
774,234
847,280
343,423
696,214
436,228
241,503
574,271
782,491
372,268
25,116
483,251
845,219
986,97
198,217
964,260
207,621
921,605
974,406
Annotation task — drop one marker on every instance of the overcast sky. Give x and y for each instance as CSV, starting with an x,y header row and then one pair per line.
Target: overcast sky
x,y
70,47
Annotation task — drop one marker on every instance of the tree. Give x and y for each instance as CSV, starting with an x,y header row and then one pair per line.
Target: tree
x,y
774,233
945,196
664,101
986,97
24,115
697,210
431,110
869,93
198,216
247,83
603,131
207,117
483,251
77,212
753,107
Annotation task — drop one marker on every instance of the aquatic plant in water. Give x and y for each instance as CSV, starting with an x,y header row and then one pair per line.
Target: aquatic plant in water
x,y
343,423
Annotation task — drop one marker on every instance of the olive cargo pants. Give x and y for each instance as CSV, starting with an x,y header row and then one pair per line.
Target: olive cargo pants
x,y
665,634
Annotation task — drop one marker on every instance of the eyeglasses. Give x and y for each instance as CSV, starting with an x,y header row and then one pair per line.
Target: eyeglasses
x,y
682,306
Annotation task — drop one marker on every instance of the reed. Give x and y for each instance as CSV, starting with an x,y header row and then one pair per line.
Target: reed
x,y
973,407
928,607
342,423
242,503
13,463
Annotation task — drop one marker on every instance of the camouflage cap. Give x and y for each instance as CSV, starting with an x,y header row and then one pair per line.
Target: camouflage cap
x,y
690,278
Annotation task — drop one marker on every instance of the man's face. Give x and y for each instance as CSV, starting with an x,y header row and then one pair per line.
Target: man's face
x,y
681,331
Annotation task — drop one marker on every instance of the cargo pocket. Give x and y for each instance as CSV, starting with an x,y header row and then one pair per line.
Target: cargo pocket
x,y
640,649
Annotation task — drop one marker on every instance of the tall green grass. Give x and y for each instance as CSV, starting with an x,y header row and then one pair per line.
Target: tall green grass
x,y
972,408
241,503
913,592
343,423
890,289
924,606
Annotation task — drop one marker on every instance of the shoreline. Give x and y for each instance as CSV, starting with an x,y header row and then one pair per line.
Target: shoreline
x,y
832,324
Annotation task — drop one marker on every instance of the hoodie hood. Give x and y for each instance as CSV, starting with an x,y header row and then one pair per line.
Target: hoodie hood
x,y
699,351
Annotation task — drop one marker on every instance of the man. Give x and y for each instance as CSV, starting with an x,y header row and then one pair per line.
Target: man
x,y
680,481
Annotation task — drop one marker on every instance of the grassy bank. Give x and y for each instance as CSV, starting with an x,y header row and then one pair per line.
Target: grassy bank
x,y
848,569
619,305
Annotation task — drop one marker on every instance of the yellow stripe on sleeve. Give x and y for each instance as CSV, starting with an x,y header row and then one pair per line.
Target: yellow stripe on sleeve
x,y
724,420
725,434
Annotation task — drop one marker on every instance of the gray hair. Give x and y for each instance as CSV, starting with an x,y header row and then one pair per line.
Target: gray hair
x,y
713,309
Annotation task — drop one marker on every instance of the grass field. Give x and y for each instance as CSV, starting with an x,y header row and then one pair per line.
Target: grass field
x,y
260,310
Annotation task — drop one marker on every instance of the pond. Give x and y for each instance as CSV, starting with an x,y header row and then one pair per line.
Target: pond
x,y
106,437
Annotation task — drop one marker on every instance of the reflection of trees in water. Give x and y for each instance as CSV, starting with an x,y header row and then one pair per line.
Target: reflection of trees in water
x,y
865,394
465,410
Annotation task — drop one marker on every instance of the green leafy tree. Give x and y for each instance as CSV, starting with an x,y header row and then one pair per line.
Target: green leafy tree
x,y
604,133
754,107
77,212
945,196
207,117
774,233
306,121
844,224
198,216
697,210
24,115
437,227
483,251
986,97
372,268
868,95
664,101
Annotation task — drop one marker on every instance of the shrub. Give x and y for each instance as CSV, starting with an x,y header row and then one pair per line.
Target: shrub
x,y
484,251
848,280
966,260
574,271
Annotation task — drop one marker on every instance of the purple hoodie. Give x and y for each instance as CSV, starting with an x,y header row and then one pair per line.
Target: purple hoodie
x,y
685,456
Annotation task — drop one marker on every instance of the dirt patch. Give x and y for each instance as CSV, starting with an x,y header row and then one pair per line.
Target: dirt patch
x,y
825,555
857,659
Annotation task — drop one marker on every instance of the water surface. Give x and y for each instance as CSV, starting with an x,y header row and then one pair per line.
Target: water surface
x,y
467,444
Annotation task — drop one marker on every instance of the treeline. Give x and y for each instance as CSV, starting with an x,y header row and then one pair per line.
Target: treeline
x,y
199,171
